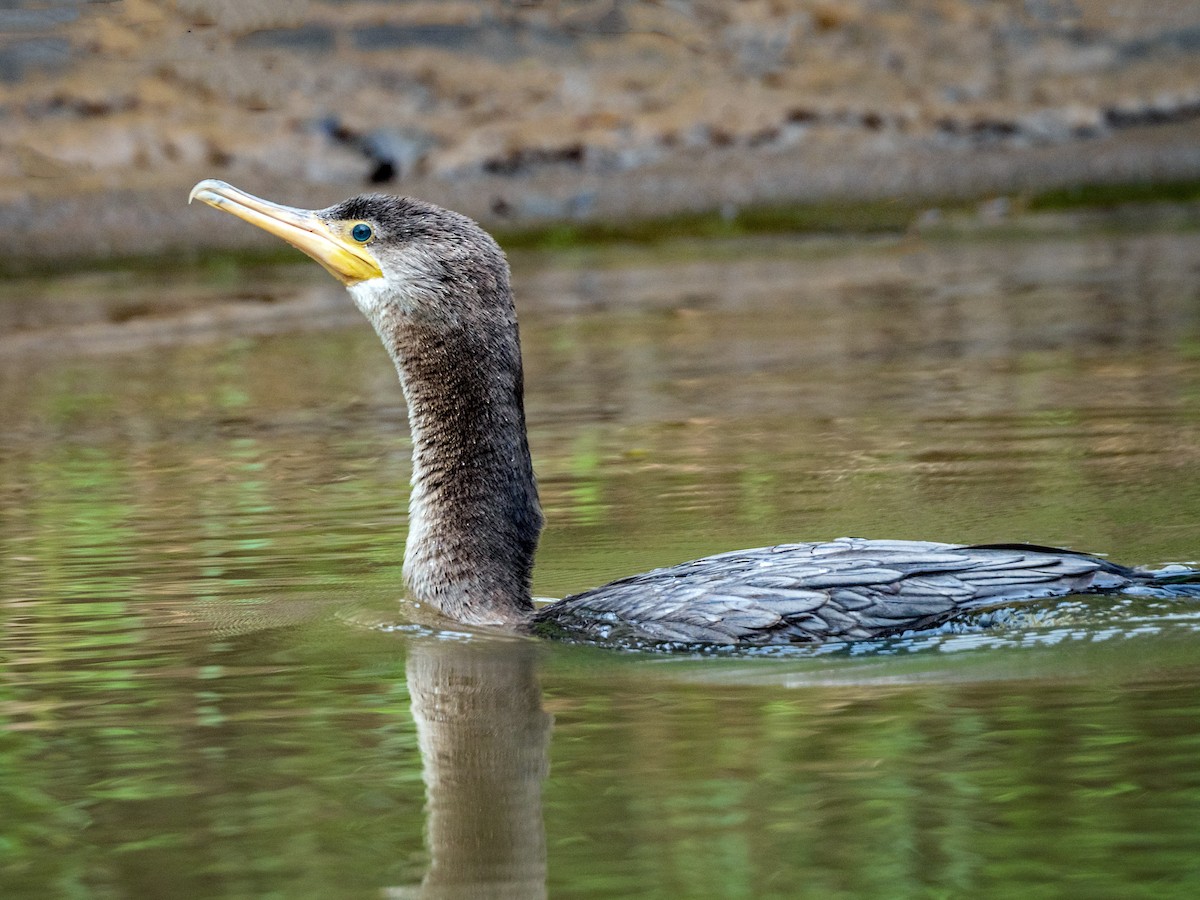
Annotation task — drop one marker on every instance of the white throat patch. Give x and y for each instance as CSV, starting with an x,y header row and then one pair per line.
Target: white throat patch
x,y
369,296
407,284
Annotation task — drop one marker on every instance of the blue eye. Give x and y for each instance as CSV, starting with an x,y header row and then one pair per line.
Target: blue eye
x,y
361,232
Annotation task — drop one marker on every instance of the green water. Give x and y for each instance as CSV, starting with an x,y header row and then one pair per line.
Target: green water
x,y
210,685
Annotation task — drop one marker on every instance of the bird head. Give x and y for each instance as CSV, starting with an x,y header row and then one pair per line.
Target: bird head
x,y
396,255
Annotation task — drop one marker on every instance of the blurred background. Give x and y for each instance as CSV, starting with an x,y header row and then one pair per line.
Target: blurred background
x,y
785,270
524,112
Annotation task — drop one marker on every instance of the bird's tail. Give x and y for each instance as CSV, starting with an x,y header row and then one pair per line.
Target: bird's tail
x,y
1171,581
1174,581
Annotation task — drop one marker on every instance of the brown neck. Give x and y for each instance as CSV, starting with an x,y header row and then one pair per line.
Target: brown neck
x,y
474,517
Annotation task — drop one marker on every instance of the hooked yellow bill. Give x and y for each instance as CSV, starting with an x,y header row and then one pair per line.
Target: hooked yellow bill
x,y
329,241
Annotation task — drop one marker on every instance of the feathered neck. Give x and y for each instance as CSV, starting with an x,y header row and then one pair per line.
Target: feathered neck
x,y
474,516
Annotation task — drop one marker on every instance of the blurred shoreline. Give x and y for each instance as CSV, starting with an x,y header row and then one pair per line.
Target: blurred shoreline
x,y
530,114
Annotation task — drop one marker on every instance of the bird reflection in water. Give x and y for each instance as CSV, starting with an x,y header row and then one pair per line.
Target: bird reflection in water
x,y
484,741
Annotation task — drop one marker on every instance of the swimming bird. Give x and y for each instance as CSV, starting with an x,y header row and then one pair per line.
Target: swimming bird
x,y
436,288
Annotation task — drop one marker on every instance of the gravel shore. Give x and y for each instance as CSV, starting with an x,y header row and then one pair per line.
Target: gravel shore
x,y
527,113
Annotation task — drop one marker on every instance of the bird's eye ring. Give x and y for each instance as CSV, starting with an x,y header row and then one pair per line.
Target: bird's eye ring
x,y
361,232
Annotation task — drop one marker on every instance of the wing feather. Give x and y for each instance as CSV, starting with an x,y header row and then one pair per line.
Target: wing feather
x,y
850,588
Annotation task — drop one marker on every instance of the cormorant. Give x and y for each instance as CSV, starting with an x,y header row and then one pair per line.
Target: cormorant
x,y
436,287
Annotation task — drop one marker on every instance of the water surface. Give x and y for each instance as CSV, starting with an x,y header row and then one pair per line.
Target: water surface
x,y
211,686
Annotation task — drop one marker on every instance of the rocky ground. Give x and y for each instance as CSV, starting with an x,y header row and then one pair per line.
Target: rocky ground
x,y
527,112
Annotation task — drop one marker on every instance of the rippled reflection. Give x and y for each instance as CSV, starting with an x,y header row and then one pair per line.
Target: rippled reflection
x,y
484,739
